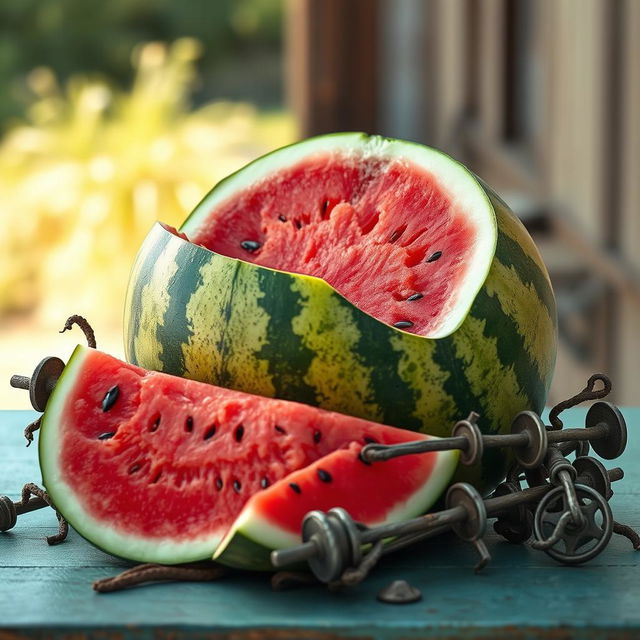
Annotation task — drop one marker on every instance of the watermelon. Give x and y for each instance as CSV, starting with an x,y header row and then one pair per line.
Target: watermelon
x,y
156,468
374,277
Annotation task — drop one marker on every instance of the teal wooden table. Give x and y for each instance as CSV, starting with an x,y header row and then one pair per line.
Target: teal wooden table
x,y
45,592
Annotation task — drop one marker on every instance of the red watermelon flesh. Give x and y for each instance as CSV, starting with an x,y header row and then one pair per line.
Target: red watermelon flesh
x,y
382,231
161,472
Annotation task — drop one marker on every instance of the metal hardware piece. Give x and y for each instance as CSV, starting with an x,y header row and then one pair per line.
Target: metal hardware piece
x,y
562,539
562,473
328,540
605,420
468,429
515,524
10,510
41,383
605,431
474,525
592,473
399,592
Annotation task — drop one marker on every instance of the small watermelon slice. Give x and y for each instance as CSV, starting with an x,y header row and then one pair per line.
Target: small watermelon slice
x,y
156,468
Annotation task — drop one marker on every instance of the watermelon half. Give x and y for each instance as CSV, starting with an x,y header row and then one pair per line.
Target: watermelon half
x,y
156,468
374,277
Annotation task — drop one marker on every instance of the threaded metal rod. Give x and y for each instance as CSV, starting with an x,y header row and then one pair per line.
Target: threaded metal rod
x,y
597,432
381,452
20,382
294,555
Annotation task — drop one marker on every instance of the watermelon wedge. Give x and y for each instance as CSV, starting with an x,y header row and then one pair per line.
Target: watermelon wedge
x,y
156,468
375,277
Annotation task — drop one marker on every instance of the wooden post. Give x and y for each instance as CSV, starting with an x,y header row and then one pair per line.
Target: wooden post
x,y
332,64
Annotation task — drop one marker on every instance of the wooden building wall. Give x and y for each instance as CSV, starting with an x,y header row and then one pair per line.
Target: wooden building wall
x,y
541,98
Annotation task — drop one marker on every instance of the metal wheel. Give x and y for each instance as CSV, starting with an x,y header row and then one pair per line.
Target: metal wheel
x,y
560,538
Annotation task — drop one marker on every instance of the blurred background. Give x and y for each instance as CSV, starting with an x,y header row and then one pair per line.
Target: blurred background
x,y
113,115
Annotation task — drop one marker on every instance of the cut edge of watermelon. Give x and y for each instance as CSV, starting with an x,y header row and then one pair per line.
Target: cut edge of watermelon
x,y
62,495
252,537
461,186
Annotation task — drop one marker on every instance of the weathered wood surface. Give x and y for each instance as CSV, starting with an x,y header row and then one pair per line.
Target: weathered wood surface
x,y
45,592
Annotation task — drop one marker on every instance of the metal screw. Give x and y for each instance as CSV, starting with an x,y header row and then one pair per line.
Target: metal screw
x,y
605,430
9,510
399,592
41,383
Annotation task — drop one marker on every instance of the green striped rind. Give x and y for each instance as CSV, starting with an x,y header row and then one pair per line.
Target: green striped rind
x,y
294,337
69,503
247,553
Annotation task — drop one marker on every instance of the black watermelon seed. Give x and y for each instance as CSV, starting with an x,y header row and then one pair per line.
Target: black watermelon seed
x,y
298,224
434,256
282,218
239,433
210,432
135,467
264,483
403,324
110,398
250,245
325,206
415,296
237,486
295,487
317,436
370,440
219,483
189,424
107,435
279,429
155,424
325,476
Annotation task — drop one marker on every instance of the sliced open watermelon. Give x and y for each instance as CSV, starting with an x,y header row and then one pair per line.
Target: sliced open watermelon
x,y
156,468
375,277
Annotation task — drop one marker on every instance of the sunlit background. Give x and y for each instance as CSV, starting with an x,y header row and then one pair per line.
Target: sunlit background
x,y
114,115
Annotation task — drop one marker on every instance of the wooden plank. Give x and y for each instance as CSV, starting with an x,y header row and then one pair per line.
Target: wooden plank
x,y
630,165
46,591
629,238
457,604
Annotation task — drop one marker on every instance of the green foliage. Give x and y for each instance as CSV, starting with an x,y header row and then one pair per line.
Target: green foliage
x,y
77,36
83,178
